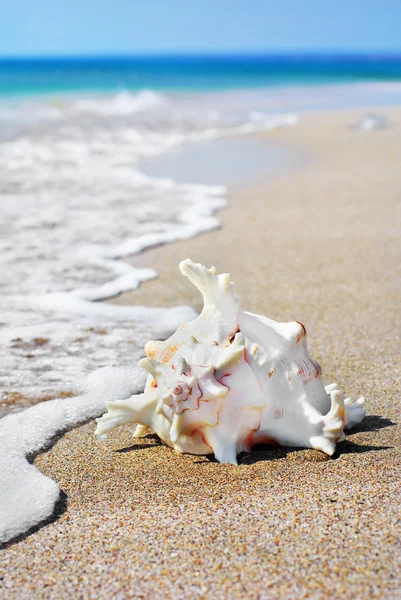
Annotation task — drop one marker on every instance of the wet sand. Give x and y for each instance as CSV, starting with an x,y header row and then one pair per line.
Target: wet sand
x,y
232,161
319,244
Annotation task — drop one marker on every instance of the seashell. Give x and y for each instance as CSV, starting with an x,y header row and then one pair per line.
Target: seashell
x,y
231,379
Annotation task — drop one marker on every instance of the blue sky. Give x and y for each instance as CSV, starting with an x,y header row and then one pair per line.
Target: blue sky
x,y
48,27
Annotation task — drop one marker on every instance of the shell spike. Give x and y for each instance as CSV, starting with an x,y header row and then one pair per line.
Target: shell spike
x,y
182,366
140,430
210,284
150,365
229,356
323,444
225,451
333,426
154,349
137,409
204,279
330,388
177,427
334,420
354,412
220,304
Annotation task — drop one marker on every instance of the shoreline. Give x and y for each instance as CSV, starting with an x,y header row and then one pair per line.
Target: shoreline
x,y
232,161
314,245
296,139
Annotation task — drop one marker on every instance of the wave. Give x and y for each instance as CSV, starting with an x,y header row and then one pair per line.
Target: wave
x,y
74,206
122,103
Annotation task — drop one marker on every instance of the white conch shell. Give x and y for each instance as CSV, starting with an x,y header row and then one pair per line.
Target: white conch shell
x,y
231,379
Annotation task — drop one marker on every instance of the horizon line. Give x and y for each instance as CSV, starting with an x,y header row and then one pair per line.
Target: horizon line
x,y
104,55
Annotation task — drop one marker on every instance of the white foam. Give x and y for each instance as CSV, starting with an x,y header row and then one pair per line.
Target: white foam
x,y
73,206
122,103
27,497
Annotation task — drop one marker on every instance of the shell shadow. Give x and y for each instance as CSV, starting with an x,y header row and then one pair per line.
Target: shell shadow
x,y
136,447
348,447
263,452
260,452
267,453
372,423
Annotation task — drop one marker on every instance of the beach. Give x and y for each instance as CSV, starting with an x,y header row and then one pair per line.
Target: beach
x,y
317,243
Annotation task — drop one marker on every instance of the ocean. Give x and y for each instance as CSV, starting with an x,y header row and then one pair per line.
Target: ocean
x,y
182,73
75,205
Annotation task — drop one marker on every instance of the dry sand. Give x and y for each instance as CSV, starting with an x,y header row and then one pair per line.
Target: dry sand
x,y
320,245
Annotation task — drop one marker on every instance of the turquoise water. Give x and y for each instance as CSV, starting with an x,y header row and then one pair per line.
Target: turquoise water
x,y
23,77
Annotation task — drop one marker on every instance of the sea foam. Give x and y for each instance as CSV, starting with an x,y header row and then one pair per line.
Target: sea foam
x,y
26,495
74,205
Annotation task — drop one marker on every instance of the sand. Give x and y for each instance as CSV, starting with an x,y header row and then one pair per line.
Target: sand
x,y
319,244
